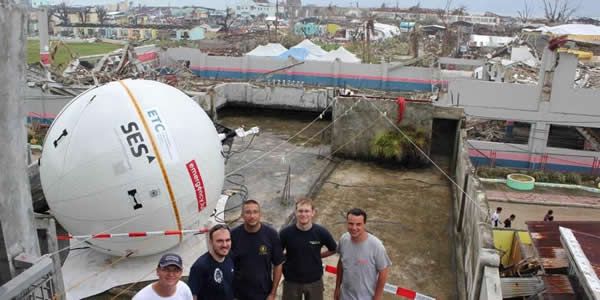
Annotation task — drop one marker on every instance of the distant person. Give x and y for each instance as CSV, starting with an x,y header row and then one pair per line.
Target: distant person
x,y
363,265
169,286
508,221
257,256
549,216
496,216
302,243
211,276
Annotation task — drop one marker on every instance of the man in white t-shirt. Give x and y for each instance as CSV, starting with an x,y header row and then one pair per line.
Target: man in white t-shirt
x,y
496,217
169,286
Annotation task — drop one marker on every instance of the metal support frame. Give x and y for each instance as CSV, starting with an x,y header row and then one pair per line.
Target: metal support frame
x,y
34,281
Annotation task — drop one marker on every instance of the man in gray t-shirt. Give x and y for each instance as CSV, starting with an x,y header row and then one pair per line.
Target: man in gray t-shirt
x,y
363,265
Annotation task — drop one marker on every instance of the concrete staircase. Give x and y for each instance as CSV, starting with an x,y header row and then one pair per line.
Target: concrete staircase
x,y
591,137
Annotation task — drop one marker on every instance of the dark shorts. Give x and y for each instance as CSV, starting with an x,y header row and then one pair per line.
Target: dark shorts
x,y
295,291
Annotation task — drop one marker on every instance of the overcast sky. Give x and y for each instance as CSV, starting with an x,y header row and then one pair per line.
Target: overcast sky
x,y
587,8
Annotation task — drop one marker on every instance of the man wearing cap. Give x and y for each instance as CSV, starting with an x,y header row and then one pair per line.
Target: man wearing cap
x,y
211,276
168,286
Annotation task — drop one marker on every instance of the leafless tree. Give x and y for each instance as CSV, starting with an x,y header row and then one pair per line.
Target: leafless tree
x,y
101,13
83,13
445,17
525,13
227,20
460,11
559,11
61,11
415,8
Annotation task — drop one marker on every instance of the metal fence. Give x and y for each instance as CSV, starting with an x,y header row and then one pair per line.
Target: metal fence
x,y
535,161
37,282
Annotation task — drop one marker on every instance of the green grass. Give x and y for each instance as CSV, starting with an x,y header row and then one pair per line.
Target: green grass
x,y
62,57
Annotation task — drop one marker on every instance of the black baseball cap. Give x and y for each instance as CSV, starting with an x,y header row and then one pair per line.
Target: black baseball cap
x,y
170,259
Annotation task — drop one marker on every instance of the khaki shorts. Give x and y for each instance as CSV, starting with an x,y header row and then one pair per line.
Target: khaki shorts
x,y
295,291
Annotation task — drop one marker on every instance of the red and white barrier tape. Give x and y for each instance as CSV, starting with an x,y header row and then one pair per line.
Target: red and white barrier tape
x,y
390,288
133,234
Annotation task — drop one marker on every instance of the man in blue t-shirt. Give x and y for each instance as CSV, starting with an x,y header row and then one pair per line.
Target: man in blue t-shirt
x,y
257,256
302,242
211,276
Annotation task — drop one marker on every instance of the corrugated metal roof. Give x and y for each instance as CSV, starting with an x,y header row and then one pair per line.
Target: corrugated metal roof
x,y
558,287
520,287
546,240
591,248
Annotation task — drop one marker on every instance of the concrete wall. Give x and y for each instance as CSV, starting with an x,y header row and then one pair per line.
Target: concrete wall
x,y
566,106
365,120
472,231
266,95
567,99
553,100
18,235
371,76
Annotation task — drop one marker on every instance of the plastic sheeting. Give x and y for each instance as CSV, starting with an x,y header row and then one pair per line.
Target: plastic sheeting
x,y
87,272
312,48
271,49
575,29
342,54
300,54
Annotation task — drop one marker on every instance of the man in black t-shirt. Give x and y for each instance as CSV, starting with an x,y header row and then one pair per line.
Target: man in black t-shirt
x,y
257,256
302,242
508,221
211,276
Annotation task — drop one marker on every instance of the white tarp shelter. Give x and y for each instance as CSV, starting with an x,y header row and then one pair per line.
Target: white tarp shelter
x,y
493,41
271,49
342,54
312,48
575,29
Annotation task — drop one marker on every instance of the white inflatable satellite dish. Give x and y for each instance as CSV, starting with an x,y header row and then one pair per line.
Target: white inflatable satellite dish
x,y
132,156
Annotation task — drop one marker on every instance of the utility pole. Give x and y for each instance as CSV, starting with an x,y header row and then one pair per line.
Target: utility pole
x,y
276,19
18,234
42,15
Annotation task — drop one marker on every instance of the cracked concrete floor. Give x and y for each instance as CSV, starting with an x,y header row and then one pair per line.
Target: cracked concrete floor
x,y
409,210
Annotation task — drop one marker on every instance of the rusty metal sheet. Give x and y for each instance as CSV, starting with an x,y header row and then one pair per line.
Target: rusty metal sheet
x,y
546,239
558,287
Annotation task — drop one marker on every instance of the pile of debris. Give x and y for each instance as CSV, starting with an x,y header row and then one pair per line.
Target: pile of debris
x,y
486,130
119,64
587,76
84,72
521,73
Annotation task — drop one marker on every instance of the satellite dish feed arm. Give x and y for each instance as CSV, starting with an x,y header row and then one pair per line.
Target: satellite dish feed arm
x,y
240,132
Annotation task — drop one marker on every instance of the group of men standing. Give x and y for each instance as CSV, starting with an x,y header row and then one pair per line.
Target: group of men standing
x,y
248,262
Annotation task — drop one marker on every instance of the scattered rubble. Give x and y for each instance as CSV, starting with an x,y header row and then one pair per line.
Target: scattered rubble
x,y
116,65
486,130
587,76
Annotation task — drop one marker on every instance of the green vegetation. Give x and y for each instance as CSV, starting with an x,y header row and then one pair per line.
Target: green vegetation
x,y
63,57
387,50
541,176
392,145
327,46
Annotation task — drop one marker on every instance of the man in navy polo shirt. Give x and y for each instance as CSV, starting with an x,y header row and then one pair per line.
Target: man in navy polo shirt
x,y
257,256
302,242
211,276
